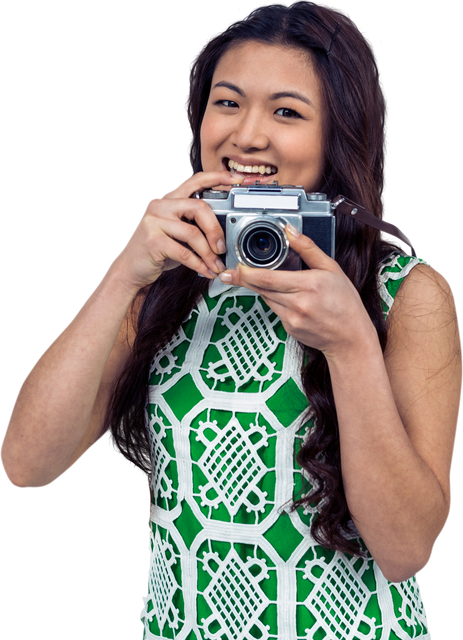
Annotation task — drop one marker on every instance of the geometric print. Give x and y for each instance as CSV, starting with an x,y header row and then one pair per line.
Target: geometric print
x,y
231,465
234,596
246,347
229,560
339,596
162,585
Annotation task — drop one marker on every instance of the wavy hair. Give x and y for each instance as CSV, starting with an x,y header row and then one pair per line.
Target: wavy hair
x,y
353,166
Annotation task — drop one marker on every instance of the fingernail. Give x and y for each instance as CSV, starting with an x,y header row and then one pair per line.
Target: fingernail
x,y
220,264
225,277
221,246
292,230
212,273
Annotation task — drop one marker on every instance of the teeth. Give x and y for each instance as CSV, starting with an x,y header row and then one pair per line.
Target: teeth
x,y
268,169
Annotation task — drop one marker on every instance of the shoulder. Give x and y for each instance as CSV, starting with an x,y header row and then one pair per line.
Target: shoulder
x,y
392,272
423,297
424,317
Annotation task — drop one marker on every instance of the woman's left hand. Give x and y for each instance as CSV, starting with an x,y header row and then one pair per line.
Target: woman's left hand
x,y
319,306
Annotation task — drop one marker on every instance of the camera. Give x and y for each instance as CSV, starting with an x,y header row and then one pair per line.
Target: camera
x,y
253,219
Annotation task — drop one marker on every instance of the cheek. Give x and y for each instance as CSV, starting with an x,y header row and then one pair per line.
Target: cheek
x,y
307,158
210,131
311,156
208,137
213,132
203,132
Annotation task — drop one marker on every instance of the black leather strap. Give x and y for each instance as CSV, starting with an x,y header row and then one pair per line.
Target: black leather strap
x,y
348,208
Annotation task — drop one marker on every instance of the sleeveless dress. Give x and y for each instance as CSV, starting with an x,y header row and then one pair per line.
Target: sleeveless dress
x,y
229,561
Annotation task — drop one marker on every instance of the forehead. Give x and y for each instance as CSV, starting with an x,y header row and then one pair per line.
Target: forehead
x,y
267,68
266,62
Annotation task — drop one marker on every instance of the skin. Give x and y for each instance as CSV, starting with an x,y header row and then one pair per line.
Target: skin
x,y
397,414
256,123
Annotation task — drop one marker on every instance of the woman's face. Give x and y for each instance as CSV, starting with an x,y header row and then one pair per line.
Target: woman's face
x,y
263,119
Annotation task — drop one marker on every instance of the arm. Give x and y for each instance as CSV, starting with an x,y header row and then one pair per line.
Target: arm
x,y
397,419
397,413
60,409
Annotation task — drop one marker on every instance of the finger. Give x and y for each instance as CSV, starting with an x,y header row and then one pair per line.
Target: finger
x,y
204,180
312,255
203,216
265,281
197,183
196,211
193,240
173,251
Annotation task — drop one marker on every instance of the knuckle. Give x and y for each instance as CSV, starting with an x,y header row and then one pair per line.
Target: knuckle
x,y
197,237
300,307
208,218
185,254
148,206
266,279
293,320
299,313
204,207
148,228
153,207
194,232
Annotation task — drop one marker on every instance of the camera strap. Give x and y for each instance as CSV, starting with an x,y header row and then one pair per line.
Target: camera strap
x,y
353,210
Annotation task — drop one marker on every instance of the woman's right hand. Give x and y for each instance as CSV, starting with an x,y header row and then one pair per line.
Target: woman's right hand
x,y
166,238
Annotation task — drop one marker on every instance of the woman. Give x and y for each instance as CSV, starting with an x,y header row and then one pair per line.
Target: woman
x,y
245,542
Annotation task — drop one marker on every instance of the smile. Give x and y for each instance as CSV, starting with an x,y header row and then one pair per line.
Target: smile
x,y
241,168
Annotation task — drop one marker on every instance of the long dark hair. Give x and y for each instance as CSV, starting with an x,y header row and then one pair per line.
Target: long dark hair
x,y
353,166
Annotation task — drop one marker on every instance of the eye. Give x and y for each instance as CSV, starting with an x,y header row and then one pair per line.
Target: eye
x,y
227,103
287,113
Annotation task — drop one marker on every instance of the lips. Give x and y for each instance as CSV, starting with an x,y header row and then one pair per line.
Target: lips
x,y
250,166
251,177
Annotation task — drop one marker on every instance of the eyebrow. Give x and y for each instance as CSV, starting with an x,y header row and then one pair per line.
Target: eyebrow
x,y
274,96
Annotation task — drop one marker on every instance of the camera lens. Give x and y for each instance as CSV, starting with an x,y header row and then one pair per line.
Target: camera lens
x,y
262,244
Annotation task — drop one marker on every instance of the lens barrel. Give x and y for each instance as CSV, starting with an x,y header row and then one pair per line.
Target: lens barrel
x,y
262,244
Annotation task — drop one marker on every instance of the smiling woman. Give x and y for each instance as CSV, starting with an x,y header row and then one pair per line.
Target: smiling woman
x,y
296,426
272,125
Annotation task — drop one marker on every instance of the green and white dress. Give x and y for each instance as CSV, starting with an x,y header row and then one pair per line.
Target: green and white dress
x,y
229,560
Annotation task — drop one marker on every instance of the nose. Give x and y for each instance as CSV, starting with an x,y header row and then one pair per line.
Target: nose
x,y
250,134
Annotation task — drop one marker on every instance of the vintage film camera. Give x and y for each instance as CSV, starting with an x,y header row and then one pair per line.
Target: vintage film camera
x,y
253,219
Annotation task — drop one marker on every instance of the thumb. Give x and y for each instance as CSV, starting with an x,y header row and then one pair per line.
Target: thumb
x,y
310,253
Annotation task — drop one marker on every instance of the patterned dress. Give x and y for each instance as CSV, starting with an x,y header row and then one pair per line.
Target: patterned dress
x,y
229,561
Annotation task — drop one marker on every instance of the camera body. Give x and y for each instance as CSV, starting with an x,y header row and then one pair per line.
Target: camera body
x,y
253,219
